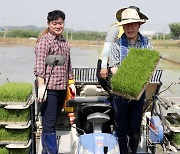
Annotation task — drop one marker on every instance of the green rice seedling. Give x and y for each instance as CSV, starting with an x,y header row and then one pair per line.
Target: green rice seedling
x,y
14,135
18,151
134,72
3,150
175,137
14,115
15,92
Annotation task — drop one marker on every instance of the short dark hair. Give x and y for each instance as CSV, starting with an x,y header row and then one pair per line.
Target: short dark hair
x,y
54,15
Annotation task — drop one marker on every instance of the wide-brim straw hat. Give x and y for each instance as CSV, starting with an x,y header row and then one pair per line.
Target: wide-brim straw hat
x,y
130,15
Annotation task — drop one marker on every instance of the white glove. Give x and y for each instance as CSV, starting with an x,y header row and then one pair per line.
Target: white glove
x,y
104,73
41,90
114,70
72,90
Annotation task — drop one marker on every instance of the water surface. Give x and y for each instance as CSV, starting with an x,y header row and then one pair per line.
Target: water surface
x,y
17,62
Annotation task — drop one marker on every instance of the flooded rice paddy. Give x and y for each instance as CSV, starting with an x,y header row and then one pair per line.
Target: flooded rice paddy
x,y
17,63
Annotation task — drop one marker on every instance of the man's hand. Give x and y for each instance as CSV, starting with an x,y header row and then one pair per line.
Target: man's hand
x,y
72,90
104,73
41,91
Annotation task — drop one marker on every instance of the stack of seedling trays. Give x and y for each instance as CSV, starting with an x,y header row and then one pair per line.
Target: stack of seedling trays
x,y
15,118
172,121
134,73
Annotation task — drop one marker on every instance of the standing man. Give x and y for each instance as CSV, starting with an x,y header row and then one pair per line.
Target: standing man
x,y
52,42
114,32
128,112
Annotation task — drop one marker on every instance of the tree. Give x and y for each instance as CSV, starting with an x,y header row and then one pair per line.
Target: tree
x,y
175,30
23,33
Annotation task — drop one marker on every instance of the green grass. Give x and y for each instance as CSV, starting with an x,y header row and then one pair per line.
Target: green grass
x,y
135,72
14,135
14,115
15,92
176,138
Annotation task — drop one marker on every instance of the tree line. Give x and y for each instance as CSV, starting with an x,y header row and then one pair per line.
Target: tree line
x,y
99,36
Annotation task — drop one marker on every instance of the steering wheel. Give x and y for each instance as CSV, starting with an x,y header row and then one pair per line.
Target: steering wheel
x,y
92,108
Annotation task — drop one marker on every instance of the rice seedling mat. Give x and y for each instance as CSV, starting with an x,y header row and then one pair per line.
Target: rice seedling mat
x,y
19,105
16,94
174,138
9,136
6,150
21,146
134,73
15,122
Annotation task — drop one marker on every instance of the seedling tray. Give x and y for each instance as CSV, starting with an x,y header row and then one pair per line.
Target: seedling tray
x,y
135,72
14,115
18,105
19,146
16,125
9,136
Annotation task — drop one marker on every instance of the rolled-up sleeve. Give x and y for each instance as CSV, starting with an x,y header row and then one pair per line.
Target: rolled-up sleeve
x,y
41,50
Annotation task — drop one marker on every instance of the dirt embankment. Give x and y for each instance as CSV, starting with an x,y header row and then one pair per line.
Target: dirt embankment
x,y
31,41
170,60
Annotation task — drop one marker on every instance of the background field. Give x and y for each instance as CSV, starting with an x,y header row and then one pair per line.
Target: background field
x,y
169,49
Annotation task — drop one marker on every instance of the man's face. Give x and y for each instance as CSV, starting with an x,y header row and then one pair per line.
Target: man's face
x,y
56,27
131,30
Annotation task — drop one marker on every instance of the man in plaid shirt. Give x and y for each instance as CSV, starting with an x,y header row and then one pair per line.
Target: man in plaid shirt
x,y
52,43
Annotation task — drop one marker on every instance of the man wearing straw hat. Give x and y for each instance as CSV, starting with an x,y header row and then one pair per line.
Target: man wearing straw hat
x,y
128,112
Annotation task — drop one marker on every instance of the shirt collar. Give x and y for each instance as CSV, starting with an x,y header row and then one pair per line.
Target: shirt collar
x,y
60,38
137,40
54,37
51,36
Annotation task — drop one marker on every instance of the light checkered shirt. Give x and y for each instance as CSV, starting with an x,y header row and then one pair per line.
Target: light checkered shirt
x,y
47,45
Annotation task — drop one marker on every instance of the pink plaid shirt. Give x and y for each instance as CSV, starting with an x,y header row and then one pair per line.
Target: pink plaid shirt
x,y
47,45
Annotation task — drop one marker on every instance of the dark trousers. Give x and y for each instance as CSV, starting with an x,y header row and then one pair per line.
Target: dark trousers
x,y
128,118
51,108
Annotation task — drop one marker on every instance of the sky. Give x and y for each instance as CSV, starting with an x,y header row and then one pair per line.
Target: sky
x,y
93,15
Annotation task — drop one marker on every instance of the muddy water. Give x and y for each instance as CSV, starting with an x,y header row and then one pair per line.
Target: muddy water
x,y
17,62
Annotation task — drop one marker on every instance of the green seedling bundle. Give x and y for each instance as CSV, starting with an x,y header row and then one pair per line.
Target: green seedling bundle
x,y
14,135
12,94
3,150
14,115
176,138
15,92
134,73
